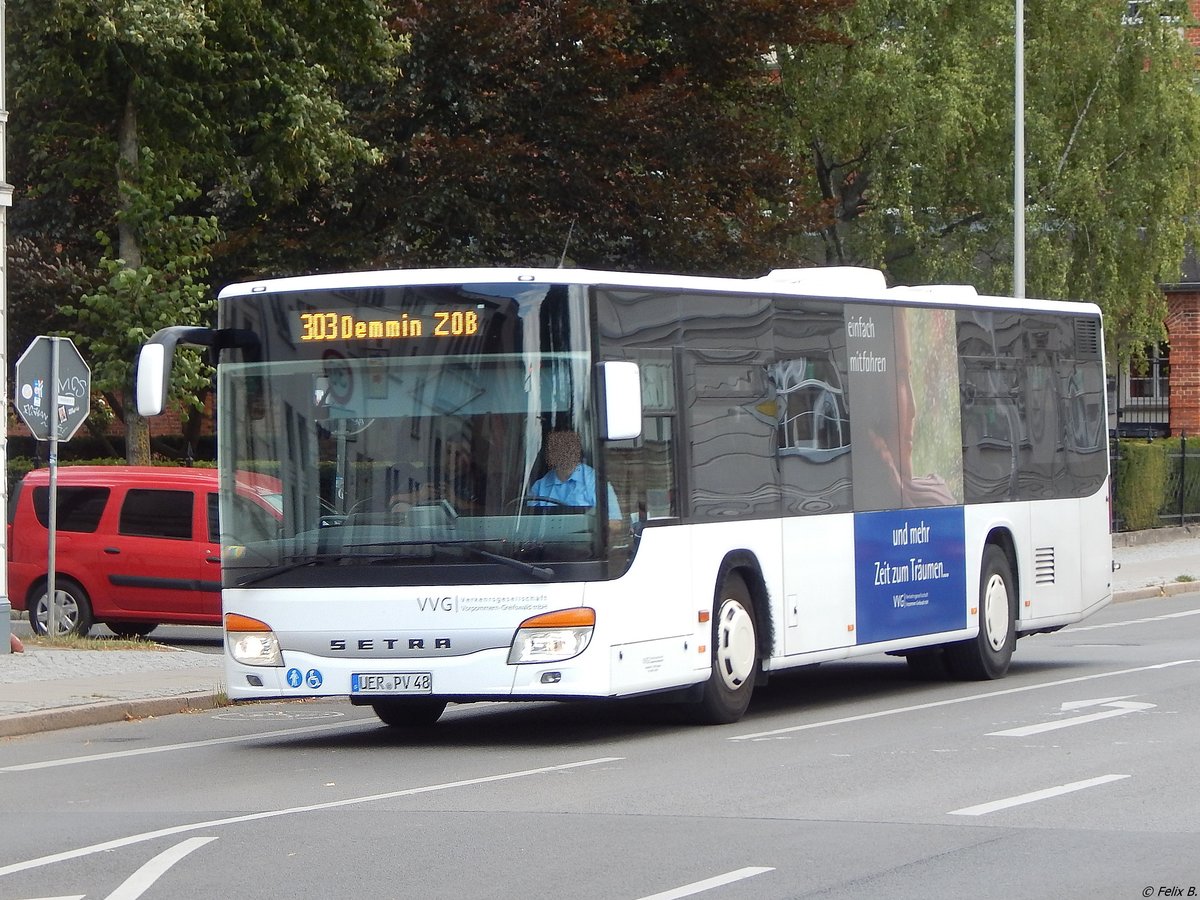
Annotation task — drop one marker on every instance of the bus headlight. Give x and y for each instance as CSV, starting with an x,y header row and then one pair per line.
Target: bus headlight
x,y
553,637
251,642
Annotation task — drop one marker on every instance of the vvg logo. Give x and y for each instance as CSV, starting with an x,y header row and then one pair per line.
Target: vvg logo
x,y
435,604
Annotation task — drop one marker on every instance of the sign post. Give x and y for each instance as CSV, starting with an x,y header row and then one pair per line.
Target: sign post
x,y
54,387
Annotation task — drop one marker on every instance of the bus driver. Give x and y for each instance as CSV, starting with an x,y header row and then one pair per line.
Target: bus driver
x,y
569,481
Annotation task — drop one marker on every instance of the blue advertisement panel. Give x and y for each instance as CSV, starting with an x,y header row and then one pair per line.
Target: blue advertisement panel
x,y
909,573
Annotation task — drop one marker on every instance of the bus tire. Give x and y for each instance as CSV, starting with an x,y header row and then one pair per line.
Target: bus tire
x,y
408,713
74,609
928,663
734,656
987,655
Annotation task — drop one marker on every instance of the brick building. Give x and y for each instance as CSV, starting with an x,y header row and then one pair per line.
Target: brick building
x,y
1176,389
170,425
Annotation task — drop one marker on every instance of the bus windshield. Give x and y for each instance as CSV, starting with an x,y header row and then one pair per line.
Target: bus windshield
x,y
388,461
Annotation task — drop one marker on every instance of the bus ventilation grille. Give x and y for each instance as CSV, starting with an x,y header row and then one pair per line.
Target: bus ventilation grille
x,y
1087,338
1043,565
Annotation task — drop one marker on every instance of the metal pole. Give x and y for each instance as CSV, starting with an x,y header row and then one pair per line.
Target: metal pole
x,y
5,202
52,524
1019,157
1182,474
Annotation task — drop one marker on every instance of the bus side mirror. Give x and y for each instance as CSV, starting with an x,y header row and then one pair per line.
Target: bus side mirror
x,y
152,375
154,364
621,388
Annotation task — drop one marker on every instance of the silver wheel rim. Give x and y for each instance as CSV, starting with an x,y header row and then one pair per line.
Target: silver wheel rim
x,y
995,612
68,612
735,644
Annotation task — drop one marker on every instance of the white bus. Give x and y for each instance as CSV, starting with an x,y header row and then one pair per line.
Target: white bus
x,y
778,471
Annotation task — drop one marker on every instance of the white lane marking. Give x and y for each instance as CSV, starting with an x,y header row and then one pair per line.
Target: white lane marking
x,y
697,887
143,879
118,843
984,808
191,745
187,745
760,735
1083,704
1073,629
1123,708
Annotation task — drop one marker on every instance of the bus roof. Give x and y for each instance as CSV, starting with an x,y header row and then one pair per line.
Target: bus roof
x,y
834,282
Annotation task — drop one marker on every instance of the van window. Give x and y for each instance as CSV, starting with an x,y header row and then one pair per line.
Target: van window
x,y
214,519
79,508
150,513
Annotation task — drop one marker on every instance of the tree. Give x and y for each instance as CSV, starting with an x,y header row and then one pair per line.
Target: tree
x,y
138,123
910,127
621,133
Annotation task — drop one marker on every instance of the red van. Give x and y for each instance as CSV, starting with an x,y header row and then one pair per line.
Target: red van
x,y
136,546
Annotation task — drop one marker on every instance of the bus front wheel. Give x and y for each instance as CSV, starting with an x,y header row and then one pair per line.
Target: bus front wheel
x,y
408,713
988,654
734,656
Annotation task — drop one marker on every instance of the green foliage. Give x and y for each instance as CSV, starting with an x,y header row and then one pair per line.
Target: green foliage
x,y
1141,480
621,134
911,129
117,317
1157,483
142,123
160,146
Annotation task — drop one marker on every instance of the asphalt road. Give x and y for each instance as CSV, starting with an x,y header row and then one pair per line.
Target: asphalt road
x,y
1073,777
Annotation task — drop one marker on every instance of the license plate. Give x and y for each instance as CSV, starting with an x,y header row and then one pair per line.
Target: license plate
x,y
391,683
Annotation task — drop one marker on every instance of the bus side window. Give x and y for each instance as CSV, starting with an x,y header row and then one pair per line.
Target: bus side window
x,y
642,471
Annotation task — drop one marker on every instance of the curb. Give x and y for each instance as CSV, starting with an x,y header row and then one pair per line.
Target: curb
x,y
1155,535
104,713
1166,589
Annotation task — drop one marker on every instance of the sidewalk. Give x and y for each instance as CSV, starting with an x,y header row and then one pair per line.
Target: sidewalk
x,y
1156,563
42,689
45,688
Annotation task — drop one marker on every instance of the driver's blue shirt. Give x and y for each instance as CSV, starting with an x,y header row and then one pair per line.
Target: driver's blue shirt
x,y
578,490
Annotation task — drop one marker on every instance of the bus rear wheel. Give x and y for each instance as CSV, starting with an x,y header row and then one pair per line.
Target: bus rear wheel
x,y
409,712
726,694
988,654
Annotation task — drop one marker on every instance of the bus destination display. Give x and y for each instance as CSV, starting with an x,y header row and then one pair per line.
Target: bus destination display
x,y
368,325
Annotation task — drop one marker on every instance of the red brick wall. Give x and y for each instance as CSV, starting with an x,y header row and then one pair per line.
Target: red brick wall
x,y
168,424
1183,329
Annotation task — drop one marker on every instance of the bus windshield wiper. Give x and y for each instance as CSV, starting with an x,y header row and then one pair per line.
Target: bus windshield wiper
x,y
323,559
545,573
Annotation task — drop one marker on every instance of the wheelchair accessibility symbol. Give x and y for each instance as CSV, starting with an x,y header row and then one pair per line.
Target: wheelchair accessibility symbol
x,y
312,678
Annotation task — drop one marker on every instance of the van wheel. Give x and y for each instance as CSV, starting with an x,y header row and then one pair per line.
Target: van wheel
x,y
408,713
131,629
727,692
74,609
987,655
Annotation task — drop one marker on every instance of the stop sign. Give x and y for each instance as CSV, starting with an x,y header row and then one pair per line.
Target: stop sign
x,y
37,400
